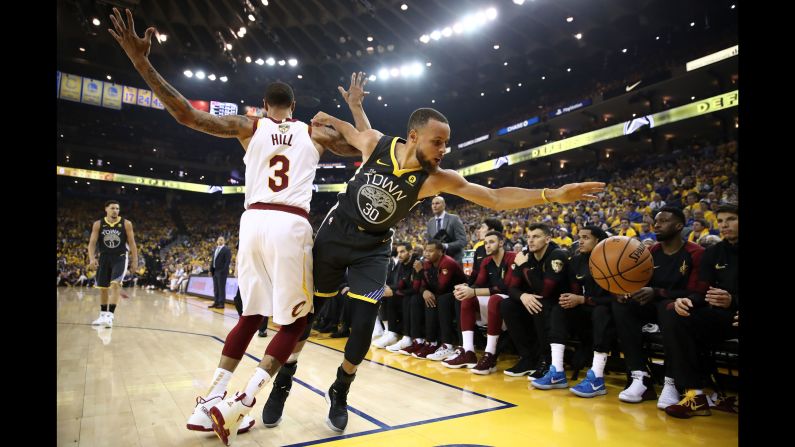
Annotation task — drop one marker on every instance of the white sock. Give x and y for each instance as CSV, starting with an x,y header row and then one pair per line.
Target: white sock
x,y
469,340
221,380
491,343
257,381
293,357
391,334
420,340
386,325
599,361
406,338
699,392
557,355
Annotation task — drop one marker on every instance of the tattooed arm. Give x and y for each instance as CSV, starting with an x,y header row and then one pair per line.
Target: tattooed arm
x,y
328,138
137,49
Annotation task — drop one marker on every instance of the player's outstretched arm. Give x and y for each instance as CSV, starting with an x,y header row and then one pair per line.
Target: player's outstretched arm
x,y
137,49
509,198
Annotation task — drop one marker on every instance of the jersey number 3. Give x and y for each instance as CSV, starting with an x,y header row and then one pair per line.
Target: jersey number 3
x,y
281,173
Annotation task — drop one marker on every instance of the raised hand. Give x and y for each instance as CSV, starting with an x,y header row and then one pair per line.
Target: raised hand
x,y
137,48
355,93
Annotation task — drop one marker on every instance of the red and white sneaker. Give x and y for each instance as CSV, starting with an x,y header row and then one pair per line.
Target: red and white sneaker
x,y
414,347
200,419
228,415
427,348
486,365
466,359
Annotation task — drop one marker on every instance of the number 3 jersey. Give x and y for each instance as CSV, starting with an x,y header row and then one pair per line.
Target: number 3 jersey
x,y
280,163
380,194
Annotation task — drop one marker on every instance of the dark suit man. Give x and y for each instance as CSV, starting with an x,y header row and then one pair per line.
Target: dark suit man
x,y
219,270
448,229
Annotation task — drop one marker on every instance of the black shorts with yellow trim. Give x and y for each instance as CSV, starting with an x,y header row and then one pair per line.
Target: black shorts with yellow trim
x,y
111,269
342,249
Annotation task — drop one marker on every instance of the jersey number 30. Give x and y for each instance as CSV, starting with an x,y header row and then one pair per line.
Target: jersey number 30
x,y
281,173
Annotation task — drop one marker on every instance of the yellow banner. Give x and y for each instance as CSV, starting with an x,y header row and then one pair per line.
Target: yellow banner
x,y
111,96
71,86
171,184
130,95
131,179
85,173
709,105
92,92
144,98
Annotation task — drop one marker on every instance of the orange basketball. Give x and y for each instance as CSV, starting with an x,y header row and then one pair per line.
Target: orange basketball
x,y
621,265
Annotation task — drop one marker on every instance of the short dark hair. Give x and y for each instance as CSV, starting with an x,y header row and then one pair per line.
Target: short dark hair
x,y
728,208
492,223
596,231
111,202
405,244
436,243
677,212
539,226
499,235
703,222
625,218
419,118
279,94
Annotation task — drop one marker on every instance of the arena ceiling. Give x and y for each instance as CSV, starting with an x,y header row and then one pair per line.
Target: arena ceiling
x,y
329,40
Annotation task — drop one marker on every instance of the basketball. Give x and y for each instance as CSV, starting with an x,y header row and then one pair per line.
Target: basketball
x,y
621,265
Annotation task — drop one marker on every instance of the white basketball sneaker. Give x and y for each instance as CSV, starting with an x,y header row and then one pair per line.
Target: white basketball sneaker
x,y
385,340
228,415
669,395
400,344
200,419
99,321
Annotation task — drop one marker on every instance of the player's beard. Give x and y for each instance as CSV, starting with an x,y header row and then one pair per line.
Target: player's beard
x,y
424,163
662,237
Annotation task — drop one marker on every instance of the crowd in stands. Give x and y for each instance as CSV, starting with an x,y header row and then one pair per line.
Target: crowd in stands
x,y
697,180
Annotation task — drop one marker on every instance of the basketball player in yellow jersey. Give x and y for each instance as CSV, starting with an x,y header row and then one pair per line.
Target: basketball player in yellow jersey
x,y
274,261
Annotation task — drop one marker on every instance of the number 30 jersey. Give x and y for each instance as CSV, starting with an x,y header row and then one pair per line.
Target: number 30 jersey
x,y
381,194
281,161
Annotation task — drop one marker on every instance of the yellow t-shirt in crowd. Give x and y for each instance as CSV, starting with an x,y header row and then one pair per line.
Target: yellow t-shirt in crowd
x,y
693,237
563,242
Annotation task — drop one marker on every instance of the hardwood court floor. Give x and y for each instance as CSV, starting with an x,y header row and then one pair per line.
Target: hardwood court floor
x,y
136,384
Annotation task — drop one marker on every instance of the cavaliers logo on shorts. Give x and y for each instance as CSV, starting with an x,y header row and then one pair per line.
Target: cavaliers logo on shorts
x,y
297,308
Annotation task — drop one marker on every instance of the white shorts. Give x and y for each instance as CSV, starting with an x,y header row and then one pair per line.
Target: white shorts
x,y
483,307
274,265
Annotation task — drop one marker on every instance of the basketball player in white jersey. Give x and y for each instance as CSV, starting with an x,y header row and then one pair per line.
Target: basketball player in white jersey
x,y
274,261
